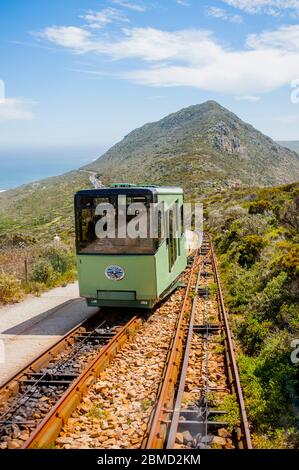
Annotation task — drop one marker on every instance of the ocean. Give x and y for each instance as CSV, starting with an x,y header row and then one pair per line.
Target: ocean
x,y
19,166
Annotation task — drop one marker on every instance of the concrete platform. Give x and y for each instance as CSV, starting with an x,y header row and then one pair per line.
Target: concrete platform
x,y
30,327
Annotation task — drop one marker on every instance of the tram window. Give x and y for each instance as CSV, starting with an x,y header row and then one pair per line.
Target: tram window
x,y
172,239
182,220
160,227
86,221
179,226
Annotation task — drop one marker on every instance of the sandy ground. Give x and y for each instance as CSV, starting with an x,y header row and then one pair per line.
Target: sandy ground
x,y
30,327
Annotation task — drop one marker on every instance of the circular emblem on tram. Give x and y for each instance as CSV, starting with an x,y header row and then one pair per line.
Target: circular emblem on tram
x,y
114,272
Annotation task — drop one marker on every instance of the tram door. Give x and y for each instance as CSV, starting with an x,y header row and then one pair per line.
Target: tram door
x,y
172,238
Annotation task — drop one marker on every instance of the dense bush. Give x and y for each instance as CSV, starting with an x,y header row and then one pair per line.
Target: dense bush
x,y
252,388
255,224
36,288
10,289
53,265
260,269
249,250
252,333
259,207
60,258
289,261
42,271
49,265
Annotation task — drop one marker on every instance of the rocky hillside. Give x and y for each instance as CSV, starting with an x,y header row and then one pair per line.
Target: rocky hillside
x,y
204,148
204,143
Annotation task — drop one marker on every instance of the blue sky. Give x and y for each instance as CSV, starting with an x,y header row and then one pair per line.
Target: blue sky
x,y
87,72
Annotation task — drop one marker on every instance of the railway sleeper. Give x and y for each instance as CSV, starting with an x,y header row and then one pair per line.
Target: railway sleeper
x,y
40,379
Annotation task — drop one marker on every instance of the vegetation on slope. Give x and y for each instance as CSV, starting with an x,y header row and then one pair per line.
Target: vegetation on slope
x,y
28,266
256,236
203,148
43,208
204,143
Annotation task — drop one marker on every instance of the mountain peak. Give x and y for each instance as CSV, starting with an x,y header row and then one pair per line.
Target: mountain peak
x,y
203,147
192,114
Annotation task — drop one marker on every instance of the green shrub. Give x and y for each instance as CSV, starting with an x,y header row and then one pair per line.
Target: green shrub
x,y
279,380
36,288
278,439
230,237
230,405
289,261
42,271
267,303
250,249
255,224
10,289
252,388
70,276
243,284
252,333
289,317
59,257
259,207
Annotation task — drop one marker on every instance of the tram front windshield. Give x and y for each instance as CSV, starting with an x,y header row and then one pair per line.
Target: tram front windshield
x,y
103,225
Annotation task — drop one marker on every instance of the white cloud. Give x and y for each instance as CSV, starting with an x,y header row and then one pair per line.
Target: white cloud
x,y
230,72
16,109
285,38
223,15
269,7
252,98
100,19
147,44
130,5
77,39
183,3
194,57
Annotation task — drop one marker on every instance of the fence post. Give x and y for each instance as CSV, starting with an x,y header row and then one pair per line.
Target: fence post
x,y
26,269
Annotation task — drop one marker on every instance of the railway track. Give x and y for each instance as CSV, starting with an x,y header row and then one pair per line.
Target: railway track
x,y
114,413
59,376
201,377
109,383
37,402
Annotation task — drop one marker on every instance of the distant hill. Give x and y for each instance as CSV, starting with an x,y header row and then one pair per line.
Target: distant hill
x,y
204,148
204,144
290,144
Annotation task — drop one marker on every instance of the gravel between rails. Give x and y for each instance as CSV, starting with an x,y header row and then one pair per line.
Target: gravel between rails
x,y
206,310
115,412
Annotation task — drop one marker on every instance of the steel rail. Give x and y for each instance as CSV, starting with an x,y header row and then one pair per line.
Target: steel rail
x,y
206,354
49,428
59,365
164,424
158,423
11,386
178,402
236,383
